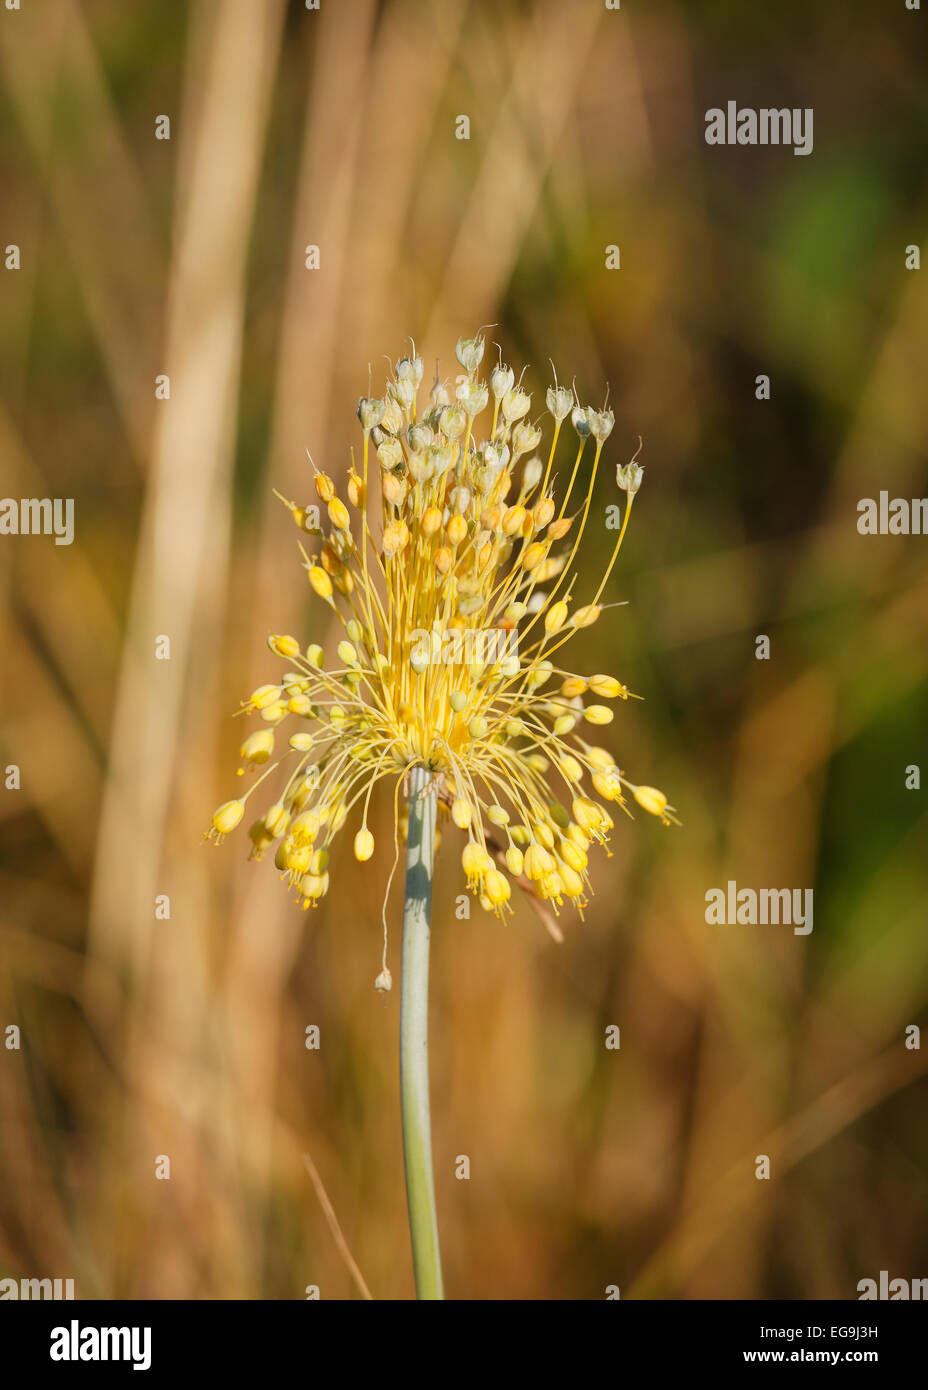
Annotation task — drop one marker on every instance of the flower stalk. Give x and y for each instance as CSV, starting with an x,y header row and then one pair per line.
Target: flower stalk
x,y
414,1036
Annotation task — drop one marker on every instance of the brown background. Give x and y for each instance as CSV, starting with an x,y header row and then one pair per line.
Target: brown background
x,y
185,1037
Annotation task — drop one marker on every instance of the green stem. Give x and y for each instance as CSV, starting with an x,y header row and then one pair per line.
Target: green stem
x,y
414,1038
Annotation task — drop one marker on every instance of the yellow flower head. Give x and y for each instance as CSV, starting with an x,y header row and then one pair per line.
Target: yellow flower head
x,y
455,602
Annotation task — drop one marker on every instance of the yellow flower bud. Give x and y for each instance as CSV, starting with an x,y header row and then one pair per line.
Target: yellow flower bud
x,y
537,862
314,886
456,530
302,792
301,743
339,515
496,887
513,519
431,521
394,489
548,569
533,555
586,813
276,819
552,886
395,538
571,881
556,616
586,616
227,816
461,813
598,714
258,747
347,654
287,647
497,815
274,713
573,855
264,695
600,759
608,785
542,512
544,834
578,838
475,861
320,581
607,687
651,799
260,839
356,492
514,860
363,844
296,858
573,686
325,488
306,827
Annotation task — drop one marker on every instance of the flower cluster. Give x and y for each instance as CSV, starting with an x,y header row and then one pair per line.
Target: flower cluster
x,y
454,609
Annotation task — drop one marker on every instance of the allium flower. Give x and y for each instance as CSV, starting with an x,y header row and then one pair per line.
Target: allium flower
x,y
455,607
448,682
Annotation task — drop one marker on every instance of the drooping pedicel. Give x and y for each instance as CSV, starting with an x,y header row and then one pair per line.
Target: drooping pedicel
x,y
455,604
